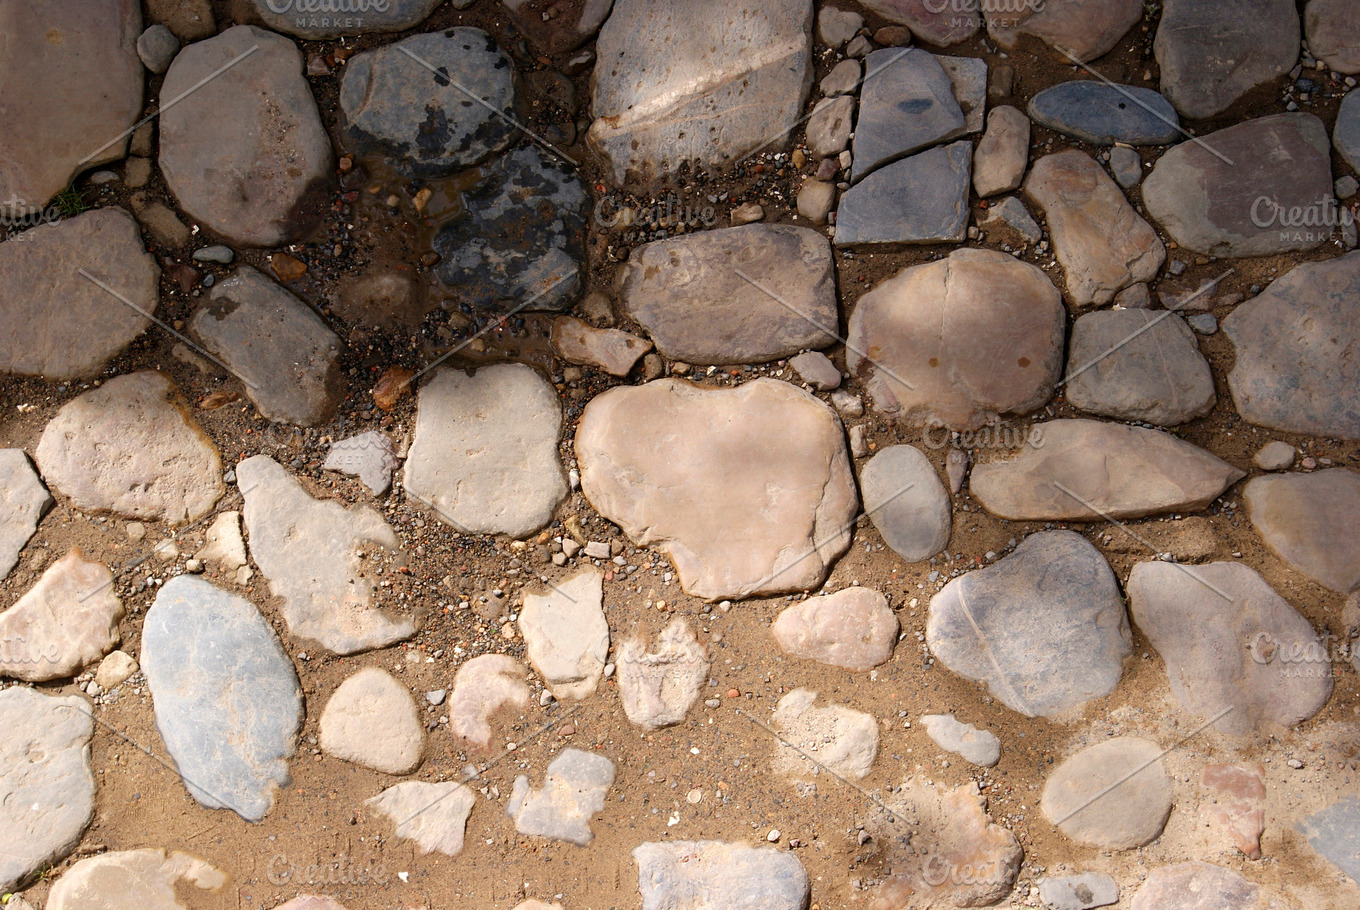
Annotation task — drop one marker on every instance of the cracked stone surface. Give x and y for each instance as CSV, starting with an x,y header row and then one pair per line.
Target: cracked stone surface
x,y
433,815
481,688
839,738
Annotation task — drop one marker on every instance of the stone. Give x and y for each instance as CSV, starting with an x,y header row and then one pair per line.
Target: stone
x,y
1003,153
66,622
906,501
482,687
708,875
1134,297
853,629
368,456
156,47
844,77
309,549
314,21
977,746
536,905
1138,365
611,350
743,71
70,78
245,154
519,239
1085,29
23,503
228,702
1347,186
1298,380
830,125
1203,323
1201,886
816,199
125,448
691,471
1243,208
1274,456
433,815
566,636
940,24
1213,52
222,542
570,25
573,791
484,454
1108,471
1078,892
959,341
1101,243
1012,214
921,199
817,370
1104,113
659,686
837,26
161,222
46,776
1312,522
1334,832
59,324
114,670
1127,166
747,294
1043,627
137,172
1239,795
371,720
1115,794
968,76
311,902
906,104
1333,36
841,740
190,20
134,880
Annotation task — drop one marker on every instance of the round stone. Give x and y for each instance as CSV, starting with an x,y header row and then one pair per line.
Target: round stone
x,y
906,501
1115,794
372,720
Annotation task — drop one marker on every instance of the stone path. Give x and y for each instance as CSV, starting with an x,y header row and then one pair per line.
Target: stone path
x,y
1115,794
566,635
574,789
853,629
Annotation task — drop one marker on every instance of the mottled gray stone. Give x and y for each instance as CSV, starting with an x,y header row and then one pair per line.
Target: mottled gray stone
x,y
1012,213
573,791
1312,522
906,501
906,104
968,76
1274,456
1201,886
368,456
705,875
1334,832
157,47
830,126
1127,166
660,685
921,199
23,502
66,622
1078,892
844,76
817,370
1115,794
980,747
1333,32
854,629
371,720
566,635
433,815
837,26
1104,113
318,21
1346,136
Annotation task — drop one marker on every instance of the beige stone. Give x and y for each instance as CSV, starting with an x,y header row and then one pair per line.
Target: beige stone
x,y
1115,794
1312,522
1003,153
66,622
853,629
371,720
134,880
611,350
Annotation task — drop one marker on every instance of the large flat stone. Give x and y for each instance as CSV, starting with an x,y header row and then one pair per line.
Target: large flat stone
x,y
854,629
1312,522
23,502
1086,29
1201,886
1105,113
708,875
66,622
921,199
566,635
134,880
1115,794
574,790
481,688
931,21
1333,32
319,21
906,104
1334,832
814,739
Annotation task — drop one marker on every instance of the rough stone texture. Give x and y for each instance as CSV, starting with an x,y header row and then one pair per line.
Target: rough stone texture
x,y
906,501
658,687
70,78
1104,113
1138,365
830,126
1238,793
713,875
1102,244
320,21
133,880
840,739
1109,471
55,322
126,448
246,155
1334,832
284,354
222,542
1201,886
566,635
114,670
1298,351
835,26
574,790
817,370
690,296
921,199
47,780
572,24
1242,208
969,78
611,350
683,80
1127,166
844,77
433,815
1078,892
906,104
1346,136
371,720
929,20
853,629
959,341
484,454
481,688
368,456
1212,52
1333,32
67,621
694,471
1011,213
1044,627
228,703
23,502
1003,153
980,747
1312,522
1115,794
1084,28
309,550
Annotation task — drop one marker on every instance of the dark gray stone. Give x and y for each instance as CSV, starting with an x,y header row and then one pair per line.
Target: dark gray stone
x,y
1335,833
1104,113
315,21
157,47
690,875
1346,136
906,104
1126,165
921,199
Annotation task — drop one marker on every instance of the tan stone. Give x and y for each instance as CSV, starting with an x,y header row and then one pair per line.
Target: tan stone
x,y
658,686
1239,795
481,688
853,629
1115,794
371,720
611,350
838,738
1312,522
1003,153
133,880
1084,28
66,622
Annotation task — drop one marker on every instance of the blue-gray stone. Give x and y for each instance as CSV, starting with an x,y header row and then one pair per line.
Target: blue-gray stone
x,y
1078,892
227,700
921,199
906,104
1103,113
1204,323
1346,136
1335,833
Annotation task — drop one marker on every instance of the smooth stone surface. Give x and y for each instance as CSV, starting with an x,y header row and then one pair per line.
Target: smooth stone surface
x,y
1127,167
906,501
134,880
66,622
611,350
817,370
126,448
156,47
114,670
1003,153
484,454
1274,456
658,686
1115,795
854,629
959,341
921,199
228,703
309,550
968,76
573,791
1138,365
566,636
46,776
1078,892
1346,136
1104,113
372,720
58,324
1333,32
314,21
1110,471
433,815
1296,364
690,295
1201,886
223,544
1086,29
690,471
23,503
844,77
930,21
690,81
1312,522
706,875
843,740
906,104
835,26
246,154
368,456
1238,794
980,747
1101,243
482,687
1334,832
1044,627
1209,206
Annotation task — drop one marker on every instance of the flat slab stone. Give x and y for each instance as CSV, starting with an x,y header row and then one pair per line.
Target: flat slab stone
x,y
484,454
690,295
1296,351
921,199
817,370
959,341
1109,471
1201,886
371,720
246,153
930,21
126,448
23,502
1346,136
1105,113
1086,29
1044,627
46,775
1003,153
1078,892
1334,832
313,21
980,747
1312,522
482,687
134,880
854,629
566,635
660,685
58,324
1279,163
309,550
228,702
611,350
433,815
1333,35
66,622
706,875
369,456
906,104
906,501
840,739
1238,794
686,81
830,126
1115,794
1212,52
693,471
573,791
